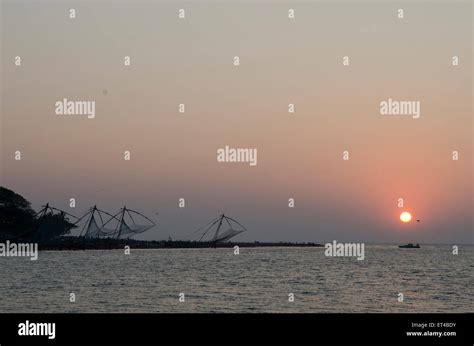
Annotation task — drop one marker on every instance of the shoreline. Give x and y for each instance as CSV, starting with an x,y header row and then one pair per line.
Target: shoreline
x,y
73,243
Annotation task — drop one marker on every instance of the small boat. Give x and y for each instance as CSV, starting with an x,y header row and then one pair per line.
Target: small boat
x,y
409,246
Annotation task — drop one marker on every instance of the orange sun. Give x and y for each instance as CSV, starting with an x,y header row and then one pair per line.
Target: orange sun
x,y
405,216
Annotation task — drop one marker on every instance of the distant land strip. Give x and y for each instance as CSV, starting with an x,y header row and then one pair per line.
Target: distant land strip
x,y
74,243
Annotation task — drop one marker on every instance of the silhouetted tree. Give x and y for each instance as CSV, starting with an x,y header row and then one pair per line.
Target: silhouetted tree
x,y
16,215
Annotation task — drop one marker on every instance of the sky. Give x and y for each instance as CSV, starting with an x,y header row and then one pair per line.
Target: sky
x,y
282,61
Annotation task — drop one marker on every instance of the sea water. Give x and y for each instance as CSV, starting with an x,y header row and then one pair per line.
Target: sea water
x,y
431,279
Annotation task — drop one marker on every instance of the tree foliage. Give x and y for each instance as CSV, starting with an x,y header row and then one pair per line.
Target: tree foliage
x,y
16,215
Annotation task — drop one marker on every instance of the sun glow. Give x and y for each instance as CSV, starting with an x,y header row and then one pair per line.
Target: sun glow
x,y
405,216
